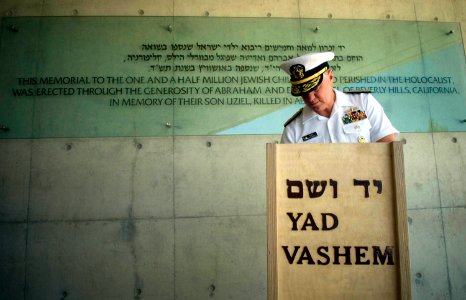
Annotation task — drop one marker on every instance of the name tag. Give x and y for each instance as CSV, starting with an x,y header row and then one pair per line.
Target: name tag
x,y
309,136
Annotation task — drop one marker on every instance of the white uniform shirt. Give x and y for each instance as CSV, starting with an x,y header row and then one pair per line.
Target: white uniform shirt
x,y
309,127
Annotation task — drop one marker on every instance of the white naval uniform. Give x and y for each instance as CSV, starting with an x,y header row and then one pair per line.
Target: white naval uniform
x,y
309,127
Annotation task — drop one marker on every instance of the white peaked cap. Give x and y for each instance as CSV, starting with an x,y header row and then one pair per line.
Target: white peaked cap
x,y
309,61
307,71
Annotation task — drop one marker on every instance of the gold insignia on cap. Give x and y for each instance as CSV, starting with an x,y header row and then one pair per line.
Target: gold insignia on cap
x,y
295,90
297,71
310,77
310,85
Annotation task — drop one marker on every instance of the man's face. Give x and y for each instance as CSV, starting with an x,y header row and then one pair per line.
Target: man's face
x,y
323,96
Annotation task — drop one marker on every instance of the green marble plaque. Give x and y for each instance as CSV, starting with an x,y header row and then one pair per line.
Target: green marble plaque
x,y
163,76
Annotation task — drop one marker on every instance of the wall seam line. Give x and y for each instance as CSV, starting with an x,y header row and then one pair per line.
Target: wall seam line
x,y
442,217
173,169
26,237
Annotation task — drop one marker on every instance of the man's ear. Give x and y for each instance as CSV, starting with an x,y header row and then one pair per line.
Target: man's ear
x,y
330,74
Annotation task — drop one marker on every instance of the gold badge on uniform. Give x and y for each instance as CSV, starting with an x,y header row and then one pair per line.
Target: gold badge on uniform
x,y
361,139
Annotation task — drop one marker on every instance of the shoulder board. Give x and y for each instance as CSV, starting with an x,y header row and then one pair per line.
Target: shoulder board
x,y
293,117
358,92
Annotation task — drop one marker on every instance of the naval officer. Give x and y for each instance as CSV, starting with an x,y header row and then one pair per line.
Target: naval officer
x,y
331,116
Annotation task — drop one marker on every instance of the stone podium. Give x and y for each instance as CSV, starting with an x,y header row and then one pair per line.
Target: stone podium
x,y
337,222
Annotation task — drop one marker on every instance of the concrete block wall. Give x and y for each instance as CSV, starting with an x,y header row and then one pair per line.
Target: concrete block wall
x,y
184,217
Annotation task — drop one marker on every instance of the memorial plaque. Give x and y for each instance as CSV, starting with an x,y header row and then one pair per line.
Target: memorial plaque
x,y
337,222
165,76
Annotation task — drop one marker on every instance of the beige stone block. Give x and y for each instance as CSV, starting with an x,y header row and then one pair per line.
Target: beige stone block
x,y
450,152
455,236
420,171
108,8
429,273
122,259
364,9
460,9
12,260
81,179
399,10
221,258
431,10
220,175
15,159
325,9
262,8
14,8
153,178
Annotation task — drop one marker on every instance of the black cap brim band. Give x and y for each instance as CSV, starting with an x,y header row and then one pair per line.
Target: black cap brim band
x,y
302,84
